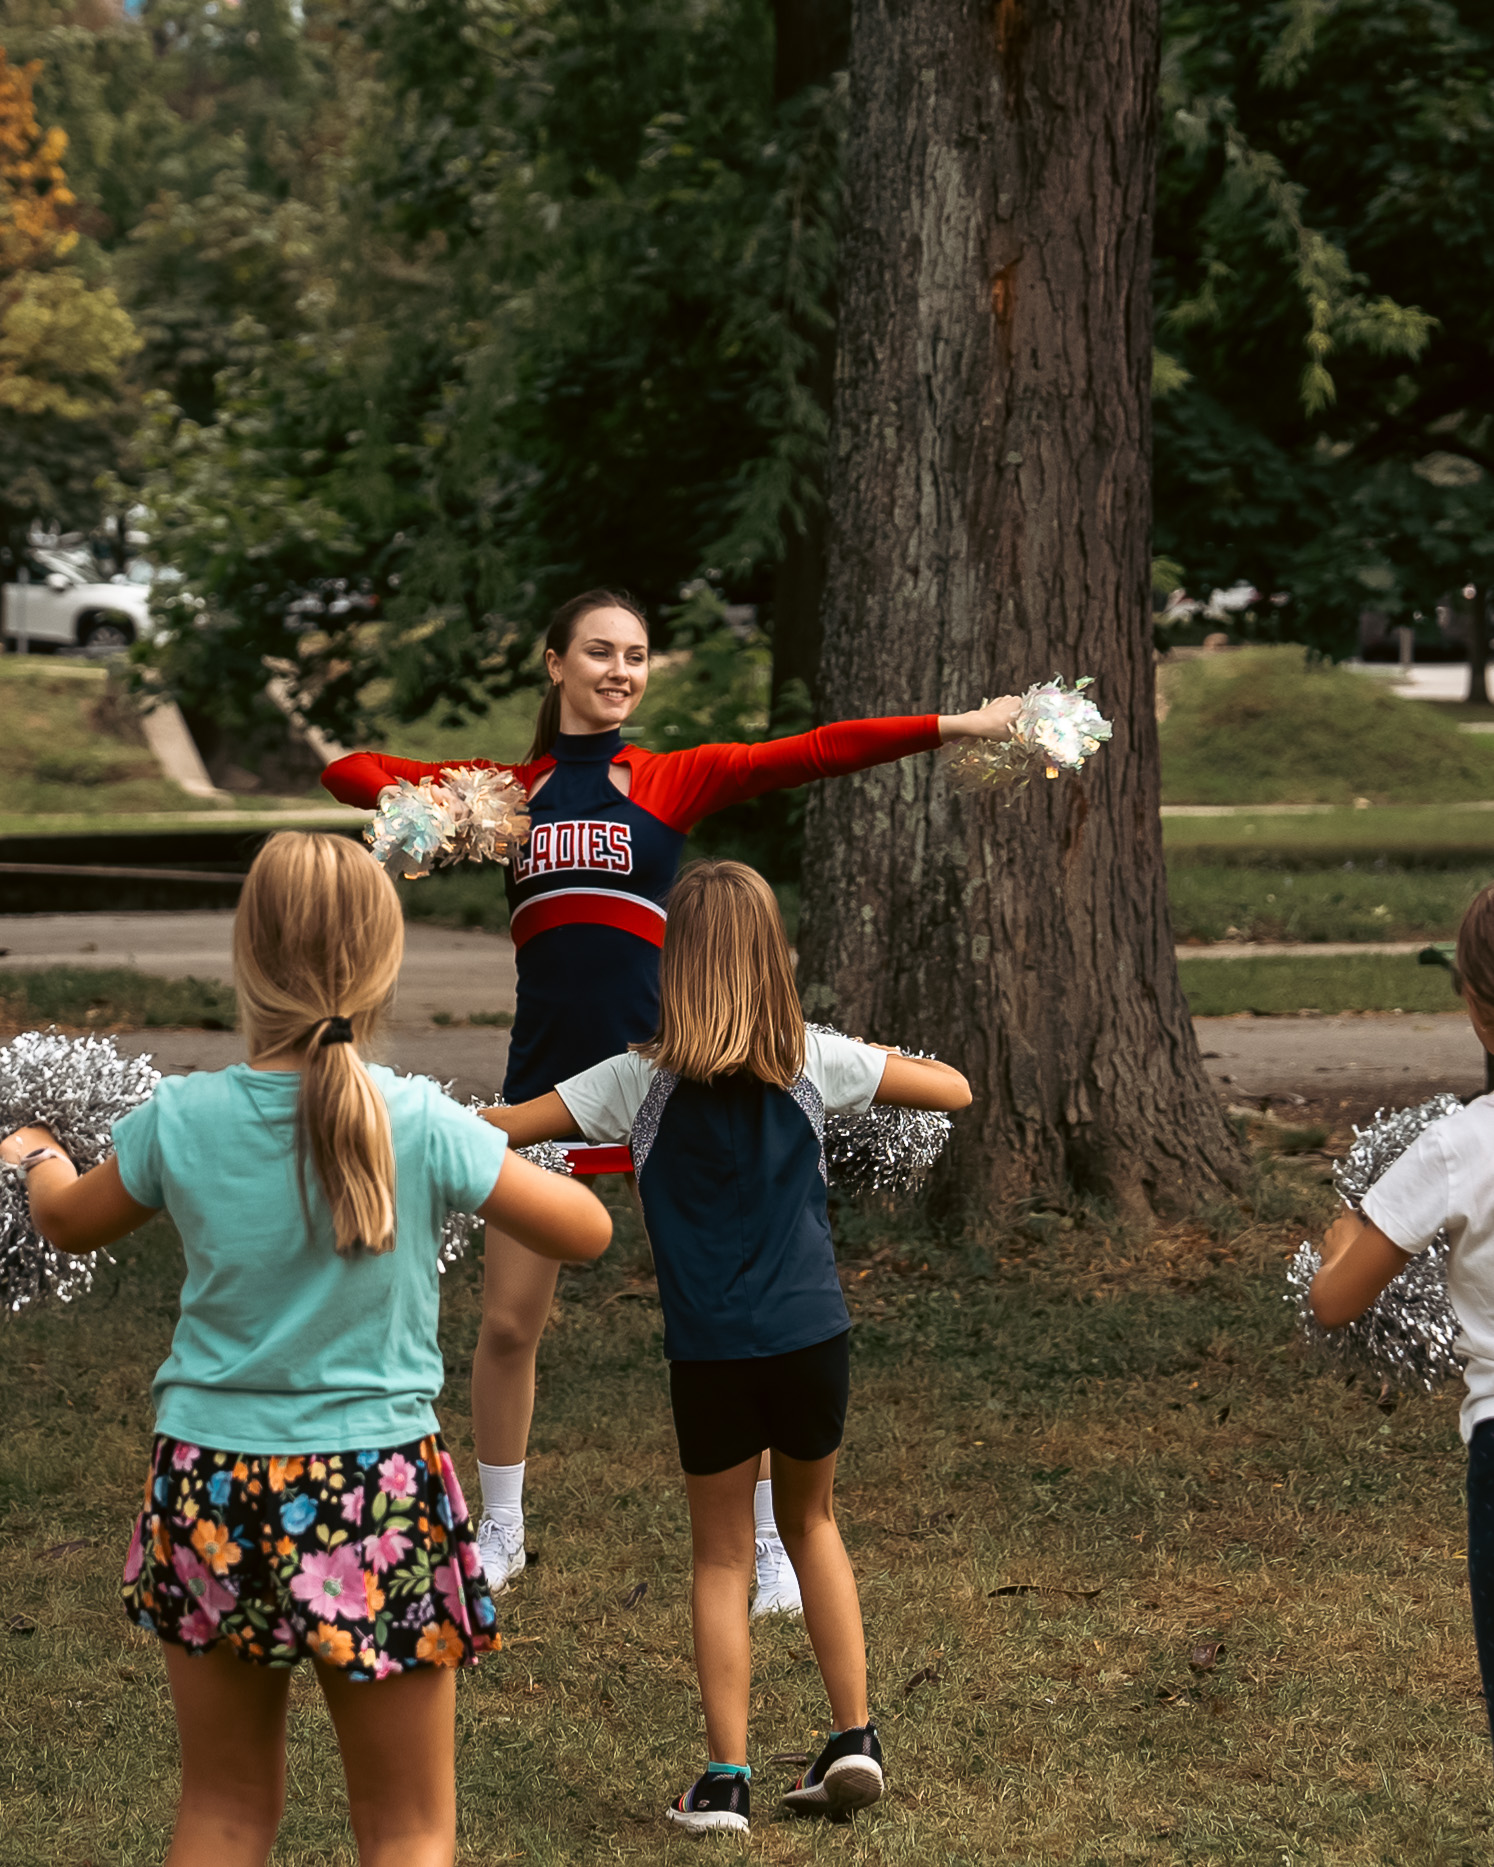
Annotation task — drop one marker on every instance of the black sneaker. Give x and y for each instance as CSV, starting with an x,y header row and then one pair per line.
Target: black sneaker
x,y
714,1802
847,1775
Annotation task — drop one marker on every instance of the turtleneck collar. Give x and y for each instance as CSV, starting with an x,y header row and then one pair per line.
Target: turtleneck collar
x,y
586,748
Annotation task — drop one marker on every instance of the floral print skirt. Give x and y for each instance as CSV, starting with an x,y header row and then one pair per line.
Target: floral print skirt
x,y
363,1560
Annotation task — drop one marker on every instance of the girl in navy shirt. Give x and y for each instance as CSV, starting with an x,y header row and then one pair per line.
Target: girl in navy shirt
x,y
724,1110
586,898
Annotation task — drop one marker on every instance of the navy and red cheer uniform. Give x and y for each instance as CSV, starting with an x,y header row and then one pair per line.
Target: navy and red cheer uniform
x,y
586,892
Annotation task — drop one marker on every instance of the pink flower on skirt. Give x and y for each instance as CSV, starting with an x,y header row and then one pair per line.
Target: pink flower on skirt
x,y
383,1666
283,1634
185,1456
381,1552
135,1557
211,1597
397,1476
471,1561
331,1584
352,1505
454,1596
198,1628
453,1488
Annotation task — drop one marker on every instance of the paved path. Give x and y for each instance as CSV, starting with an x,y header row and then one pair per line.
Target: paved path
x,y
462,971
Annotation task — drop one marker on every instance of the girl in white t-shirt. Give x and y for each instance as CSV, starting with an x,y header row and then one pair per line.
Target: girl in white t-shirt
x,y
1444,1180
724,1110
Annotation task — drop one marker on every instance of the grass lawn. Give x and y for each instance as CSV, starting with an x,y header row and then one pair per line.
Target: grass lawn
x,y
1218,988
1266,726
1222,903
1073,1459
1425,836
105,998
72,746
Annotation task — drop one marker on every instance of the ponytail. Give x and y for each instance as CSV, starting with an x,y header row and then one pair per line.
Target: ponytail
x,y
318,940
342,1128
557,640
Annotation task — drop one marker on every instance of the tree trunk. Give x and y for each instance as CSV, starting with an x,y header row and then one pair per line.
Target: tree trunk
x,y
1478,648
812,40
989,524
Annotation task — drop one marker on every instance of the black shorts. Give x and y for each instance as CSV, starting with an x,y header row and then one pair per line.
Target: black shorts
x,y
726,1412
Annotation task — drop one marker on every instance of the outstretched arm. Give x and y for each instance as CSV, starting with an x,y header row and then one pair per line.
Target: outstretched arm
x,y
544,1118
359,778
1358,1262
682,787
555,1217
921,1083
74,1215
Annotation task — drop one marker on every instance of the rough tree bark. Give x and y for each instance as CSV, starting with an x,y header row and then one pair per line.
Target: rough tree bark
x,y
812,39
990,520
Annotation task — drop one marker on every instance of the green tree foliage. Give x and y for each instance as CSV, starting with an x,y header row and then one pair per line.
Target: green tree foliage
x,y
63,337
1325,295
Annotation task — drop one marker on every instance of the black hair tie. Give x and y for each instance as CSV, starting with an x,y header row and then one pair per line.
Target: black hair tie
x,y
337,1031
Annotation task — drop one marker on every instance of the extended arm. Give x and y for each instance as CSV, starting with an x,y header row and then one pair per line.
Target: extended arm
x,y
921,1083
682,787
74,1215
1358,1262
555,1217
359,778
545,1118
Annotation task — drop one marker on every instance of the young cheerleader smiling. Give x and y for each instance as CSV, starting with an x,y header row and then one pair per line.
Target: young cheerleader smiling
x,y
724,1109
299,1503
1445,1179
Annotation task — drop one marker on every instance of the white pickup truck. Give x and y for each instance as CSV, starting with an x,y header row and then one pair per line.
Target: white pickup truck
x,y
60,609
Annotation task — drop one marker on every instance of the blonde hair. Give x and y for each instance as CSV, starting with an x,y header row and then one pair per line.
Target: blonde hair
x,y
319,937
1473,969
726,980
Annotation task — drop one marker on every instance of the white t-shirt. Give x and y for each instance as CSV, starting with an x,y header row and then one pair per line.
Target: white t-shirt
x,y
605,1099
1446,1179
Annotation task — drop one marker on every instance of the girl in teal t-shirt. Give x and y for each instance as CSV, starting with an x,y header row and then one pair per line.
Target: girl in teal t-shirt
x,y
299,1502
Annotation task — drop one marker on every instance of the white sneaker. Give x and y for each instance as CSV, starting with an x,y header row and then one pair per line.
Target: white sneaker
x,y
777,1585
501,1547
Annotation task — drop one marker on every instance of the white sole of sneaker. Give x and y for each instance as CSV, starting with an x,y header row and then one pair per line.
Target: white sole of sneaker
x,y
766,1605
849,1784
704,1821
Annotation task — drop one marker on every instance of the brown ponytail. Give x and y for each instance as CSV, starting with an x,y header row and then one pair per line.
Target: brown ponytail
x,y
558,639
317,945
1473,970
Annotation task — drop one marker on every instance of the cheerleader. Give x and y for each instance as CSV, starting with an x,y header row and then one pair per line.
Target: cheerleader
x,y
586,902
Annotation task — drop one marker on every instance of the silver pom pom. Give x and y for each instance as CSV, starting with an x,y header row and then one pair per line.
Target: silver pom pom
x,y
884,1150
1408,1335
78,1087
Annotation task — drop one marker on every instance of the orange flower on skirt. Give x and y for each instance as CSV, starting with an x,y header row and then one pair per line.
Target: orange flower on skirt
x,y
215,1546
333,1645
440,1645
284,1472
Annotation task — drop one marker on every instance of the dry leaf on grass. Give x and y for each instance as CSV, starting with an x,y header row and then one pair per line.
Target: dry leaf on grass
x,y
1206,1656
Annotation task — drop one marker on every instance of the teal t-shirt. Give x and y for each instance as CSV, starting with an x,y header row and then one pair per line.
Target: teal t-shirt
x,y
282,1345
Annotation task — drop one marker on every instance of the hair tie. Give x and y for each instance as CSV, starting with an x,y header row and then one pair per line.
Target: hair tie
x,y
337,1031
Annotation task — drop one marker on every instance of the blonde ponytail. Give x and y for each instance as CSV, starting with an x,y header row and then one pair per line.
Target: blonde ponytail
x,y
318,941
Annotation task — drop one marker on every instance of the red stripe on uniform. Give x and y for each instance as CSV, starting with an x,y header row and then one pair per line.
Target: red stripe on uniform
x,y
587,908
587,1159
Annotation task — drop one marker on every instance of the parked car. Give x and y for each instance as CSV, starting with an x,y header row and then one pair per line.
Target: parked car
x,y
60,608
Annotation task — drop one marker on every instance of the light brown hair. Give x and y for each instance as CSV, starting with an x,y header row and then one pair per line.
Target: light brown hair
x,y
319,936
726,980
1473,971
558,638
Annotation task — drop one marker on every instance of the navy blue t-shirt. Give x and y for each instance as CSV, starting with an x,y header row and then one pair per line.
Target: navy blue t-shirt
x,y
731,1176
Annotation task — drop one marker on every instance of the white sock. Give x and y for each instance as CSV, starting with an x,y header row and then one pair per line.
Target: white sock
x,y
502,1492
766,1530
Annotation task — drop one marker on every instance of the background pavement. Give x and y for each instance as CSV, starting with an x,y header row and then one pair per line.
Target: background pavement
x,y
460,972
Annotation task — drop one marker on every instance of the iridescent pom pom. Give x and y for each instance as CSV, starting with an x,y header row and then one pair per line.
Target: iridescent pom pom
x,y
885,1150
1056,729
1408,1335
469,814
77,1087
